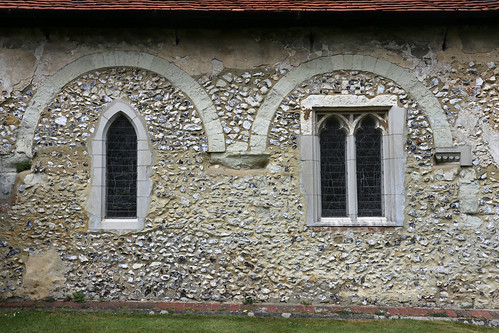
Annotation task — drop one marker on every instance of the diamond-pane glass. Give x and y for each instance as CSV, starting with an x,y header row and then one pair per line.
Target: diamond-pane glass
x,y
121,170
369,182
333,172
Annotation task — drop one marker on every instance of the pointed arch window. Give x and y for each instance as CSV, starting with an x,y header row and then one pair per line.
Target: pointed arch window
x,y
353,160
333,169
121,168
369,168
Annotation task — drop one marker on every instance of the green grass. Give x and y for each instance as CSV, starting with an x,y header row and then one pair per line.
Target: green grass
x,y
70,321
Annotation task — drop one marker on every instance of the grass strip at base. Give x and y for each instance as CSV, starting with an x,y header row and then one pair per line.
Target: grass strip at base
x,y
79,321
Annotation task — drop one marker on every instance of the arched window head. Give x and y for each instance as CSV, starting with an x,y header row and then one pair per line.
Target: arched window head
x,y
121,169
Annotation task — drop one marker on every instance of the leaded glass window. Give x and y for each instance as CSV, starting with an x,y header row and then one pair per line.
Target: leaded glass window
x,y
368,160
353,160
333,172
351,184
121,169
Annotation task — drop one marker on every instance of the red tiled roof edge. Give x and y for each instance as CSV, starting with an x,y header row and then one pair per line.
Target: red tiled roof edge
x,y
257,5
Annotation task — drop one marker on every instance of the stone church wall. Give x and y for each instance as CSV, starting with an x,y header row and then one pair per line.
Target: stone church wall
x,y
227,221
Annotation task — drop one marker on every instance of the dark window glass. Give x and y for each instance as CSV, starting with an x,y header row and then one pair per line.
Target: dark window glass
x,y
368,150
333,173
121,169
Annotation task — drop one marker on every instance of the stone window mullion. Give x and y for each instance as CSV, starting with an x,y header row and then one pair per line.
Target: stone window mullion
x,y
351,178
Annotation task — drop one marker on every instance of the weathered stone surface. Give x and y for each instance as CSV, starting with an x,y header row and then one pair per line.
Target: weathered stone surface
x,y
7,180
220,234
44,277
471,222
241,160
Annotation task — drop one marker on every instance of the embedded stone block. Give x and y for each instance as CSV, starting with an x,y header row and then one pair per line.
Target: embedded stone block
x,y
241,160
7,181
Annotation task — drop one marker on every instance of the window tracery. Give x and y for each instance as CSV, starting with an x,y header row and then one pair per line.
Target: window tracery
x,y
353,160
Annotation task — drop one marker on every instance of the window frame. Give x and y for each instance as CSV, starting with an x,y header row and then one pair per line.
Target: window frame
x,y
96,204
393,159
114,166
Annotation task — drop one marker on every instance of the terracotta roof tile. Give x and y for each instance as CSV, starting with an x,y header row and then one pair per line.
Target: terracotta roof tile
x,y
256,5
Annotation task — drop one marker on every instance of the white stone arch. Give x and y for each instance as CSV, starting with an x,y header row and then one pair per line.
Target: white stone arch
x,y
97,149
52,85
442,136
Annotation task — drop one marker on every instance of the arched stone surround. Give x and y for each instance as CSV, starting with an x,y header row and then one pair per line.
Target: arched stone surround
x,y
440,126
52,85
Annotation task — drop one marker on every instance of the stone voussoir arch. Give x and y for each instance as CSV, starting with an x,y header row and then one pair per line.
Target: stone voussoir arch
x,y
52,85
441,130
